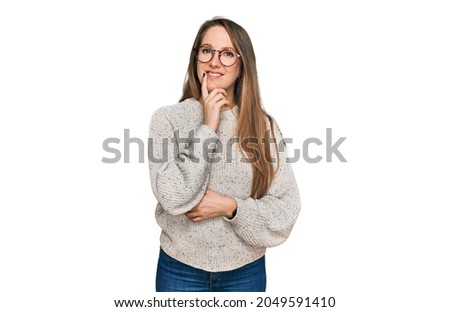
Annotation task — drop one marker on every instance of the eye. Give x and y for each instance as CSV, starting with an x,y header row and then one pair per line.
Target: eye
x,y
205,50
228,53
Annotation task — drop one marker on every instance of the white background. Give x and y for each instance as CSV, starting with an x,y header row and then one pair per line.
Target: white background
x,y
77,233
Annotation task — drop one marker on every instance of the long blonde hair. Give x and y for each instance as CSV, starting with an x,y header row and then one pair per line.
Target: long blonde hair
x,y
253,121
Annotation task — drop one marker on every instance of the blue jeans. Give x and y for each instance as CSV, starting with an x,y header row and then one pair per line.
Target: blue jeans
x,y
173,275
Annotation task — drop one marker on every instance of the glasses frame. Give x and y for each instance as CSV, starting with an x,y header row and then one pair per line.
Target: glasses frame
x,y
214,52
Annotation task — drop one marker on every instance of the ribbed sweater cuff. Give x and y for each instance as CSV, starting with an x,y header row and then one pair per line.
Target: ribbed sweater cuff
x,y
243,216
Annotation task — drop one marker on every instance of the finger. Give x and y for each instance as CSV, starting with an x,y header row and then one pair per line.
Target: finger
x,y
192,213
216,101
205,92
213,100
195,217
221,102
216,91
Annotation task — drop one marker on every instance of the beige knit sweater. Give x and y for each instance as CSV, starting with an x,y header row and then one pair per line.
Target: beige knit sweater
x,y
181,170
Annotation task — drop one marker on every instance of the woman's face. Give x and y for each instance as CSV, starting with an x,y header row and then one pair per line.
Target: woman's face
x,y
218,75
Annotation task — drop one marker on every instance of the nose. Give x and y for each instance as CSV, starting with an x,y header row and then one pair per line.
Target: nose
x,y
215,61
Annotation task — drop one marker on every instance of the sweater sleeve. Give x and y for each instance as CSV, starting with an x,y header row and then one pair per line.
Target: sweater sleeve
x,y
178,166
268,221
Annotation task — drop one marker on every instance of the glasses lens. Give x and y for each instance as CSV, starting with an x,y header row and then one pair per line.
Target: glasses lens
x,y
228,57
204,54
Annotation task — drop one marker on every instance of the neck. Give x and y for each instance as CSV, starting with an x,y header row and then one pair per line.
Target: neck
x,y
230,98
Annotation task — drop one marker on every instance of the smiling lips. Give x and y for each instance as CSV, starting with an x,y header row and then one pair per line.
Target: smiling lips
x,y
213,75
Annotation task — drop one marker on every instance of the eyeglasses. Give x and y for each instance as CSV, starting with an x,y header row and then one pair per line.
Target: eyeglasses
x,y
227,57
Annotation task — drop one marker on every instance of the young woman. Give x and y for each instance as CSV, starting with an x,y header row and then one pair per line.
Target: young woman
x,y
219,172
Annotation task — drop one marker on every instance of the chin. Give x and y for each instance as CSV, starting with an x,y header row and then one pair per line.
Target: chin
x,y
212,86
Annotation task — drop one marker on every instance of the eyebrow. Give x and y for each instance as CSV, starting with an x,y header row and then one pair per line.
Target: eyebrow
x,y
224,48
